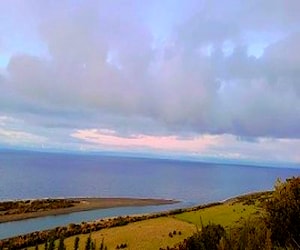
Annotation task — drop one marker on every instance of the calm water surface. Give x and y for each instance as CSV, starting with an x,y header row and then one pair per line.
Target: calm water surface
x,y
36,175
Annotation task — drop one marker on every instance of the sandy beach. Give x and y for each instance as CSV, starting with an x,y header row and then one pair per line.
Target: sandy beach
x,y
84,204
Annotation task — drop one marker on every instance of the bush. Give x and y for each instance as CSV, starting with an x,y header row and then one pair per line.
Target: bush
x,y
206,239
284,213
252,236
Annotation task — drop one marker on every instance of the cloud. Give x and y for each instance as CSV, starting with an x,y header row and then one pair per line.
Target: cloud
x,y
214,146
167,143
17,137
282,58
98,65
12,134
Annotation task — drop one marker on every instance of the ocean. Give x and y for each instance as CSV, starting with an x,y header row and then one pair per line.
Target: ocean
x,y
25,175
38,175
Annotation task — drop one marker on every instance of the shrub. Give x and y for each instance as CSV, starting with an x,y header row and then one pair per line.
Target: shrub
x,y
284,213
76,243
206,239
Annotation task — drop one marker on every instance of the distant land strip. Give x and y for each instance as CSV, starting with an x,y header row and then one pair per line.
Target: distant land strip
x,y
27,209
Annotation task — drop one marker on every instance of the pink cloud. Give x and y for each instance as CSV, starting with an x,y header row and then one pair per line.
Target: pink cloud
x,y
168,143
220,146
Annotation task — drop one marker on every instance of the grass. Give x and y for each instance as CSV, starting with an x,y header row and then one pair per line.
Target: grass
x,y
227,214
155,233
148,234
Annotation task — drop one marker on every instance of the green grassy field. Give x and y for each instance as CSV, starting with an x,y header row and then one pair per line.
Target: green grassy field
x,y
148,234
228,215
155,233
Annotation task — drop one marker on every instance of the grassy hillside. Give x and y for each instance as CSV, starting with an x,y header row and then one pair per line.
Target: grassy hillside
x,y
148,234
227,214
160,232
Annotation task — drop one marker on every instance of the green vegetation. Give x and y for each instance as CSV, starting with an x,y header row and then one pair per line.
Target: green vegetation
x,y
88,243
251,236
208,238
61,245
28,206
284,213
277,228
228,214
269,220
76,243
51,245
146,234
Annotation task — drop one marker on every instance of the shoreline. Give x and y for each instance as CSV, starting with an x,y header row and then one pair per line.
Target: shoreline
x,y
81,204
246,194
98,224
84,204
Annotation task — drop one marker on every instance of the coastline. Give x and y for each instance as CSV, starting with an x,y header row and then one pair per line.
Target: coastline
x,y
113,221
81,204
245,195
86,204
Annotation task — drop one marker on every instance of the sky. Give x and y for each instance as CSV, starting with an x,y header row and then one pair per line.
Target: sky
x,y
192,79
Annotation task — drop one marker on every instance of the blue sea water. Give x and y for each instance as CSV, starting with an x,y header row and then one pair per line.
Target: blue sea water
x,y
37,175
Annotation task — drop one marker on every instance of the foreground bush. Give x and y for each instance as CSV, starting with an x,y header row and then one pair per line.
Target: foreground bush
x,y
284,213
207,238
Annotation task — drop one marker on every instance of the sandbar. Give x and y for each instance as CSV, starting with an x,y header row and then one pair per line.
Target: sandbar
x,y
83,204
